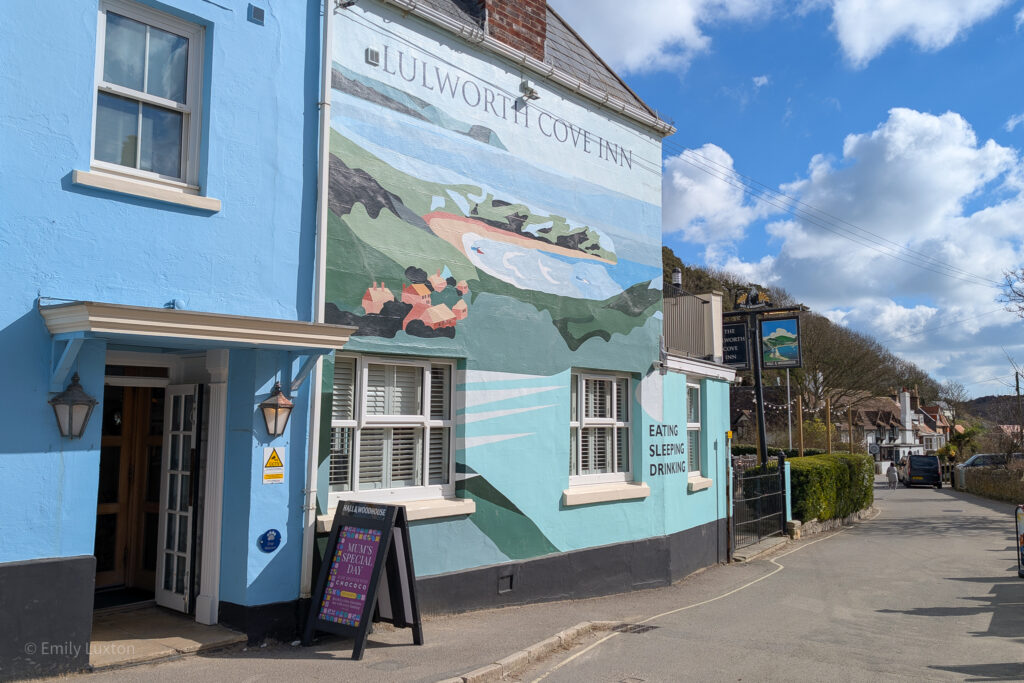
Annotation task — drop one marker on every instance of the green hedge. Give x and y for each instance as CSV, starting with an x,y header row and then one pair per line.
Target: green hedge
x,y
747,449
831,486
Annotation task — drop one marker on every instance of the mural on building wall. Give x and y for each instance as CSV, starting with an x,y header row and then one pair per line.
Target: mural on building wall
x,y
438,232
523,236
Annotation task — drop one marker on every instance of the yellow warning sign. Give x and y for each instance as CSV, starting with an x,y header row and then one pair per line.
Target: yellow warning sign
x,y
274,460
273,465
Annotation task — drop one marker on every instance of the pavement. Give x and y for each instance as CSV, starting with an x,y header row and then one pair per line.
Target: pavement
x,y
858,604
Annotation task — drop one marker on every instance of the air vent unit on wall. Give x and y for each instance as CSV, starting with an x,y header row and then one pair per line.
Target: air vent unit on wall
x,y
256,14
372,57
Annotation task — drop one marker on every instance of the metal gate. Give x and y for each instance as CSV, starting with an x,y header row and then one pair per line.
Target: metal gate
x,y
759,505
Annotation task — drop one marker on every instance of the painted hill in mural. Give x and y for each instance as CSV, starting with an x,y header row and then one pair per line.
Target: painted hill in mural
x,y
372,90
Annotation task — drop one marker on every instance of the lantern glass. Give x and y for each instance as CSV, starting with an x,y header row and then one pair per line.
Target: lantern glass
x,y
276,411
72,408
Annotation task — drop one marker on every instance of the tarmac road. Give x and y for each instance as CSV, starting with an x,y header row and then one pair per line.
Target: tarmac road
x,y
927,590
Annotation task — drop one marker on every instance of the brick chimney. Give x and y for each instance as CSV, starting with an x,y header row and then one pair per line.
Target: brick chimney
x,y
521,24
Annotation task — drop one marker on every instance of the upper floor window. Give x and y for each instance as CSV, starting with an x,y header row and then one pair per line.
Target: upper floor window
x,y
599,428
148,73
391,427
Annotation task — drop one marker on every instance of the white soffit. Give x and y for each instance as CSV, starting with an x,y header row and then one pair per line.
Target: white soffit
x,y
702,368
104,319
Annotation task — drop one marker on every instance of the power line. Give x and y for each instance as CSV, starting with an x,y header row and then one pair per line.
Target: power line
x,y
939,327
748,185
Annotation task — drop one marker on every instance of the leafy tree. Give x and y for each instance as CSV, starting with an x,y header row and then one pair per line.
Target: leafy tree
x,y
965,441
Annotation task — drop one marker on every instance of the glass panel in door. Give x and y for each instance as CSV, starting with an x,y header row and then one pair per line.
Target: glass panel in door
x,y
175,547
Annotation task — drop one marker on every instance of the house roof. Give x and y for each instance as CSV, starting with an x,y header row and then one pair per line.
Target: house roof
x,y
438,314
564,49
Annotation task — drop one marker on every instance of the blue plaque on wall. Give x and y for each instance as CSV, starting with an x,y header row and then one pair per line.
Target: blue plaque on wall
x,y
269,540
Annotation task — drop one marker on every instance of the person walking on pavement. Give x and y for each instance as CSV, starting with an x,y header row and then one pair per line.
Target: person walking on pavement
x,y
892,475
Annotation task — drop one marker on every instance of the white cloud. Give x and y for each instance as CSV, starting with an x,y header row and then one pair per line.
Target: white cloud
x,y
865,28
649,35
1019,19
1013,122
924,186
761,81
699,204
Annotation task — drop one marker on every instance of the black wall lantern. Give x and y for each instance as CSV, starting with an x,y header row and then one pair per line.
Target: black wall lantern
x,y
72,407
276,411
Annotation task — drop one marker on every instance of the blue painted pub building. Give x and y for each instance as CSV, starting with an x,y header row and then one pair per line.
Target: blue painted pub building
x,y
434,227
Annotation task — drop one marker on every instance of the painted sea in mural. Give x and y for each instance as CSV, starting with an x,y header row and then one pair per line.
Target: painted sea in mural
x,y
452,244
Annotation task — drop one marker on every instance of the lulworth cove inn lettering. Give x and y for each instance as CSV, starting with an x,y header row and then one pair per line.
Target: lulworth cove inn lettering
x,y
497,103
664,450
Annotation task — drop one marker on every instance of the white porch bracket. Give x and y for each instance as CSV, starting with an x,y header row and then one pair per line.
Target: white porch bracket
x,y
307,367
62,367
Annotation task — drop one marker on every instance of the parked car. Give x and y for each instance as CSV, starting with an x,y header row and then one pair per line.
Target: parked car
x,y
982,460
920,470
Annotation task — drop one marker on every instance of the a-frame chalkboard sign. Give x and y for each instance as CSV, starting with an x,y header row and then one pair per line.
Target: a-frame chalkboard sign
x,y
367,575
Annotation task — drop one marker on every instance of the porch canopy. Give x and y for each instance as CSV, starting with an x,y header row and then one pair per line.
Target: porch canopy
x,y
167,328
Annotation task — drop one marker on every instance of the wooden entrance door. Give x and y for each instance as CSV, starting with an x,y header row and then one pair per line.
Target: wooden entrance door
x,y
128,501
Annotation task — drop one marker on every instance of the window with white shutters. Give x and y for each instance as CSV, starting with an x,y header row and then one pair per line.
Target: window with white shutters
x,y
391,425
599,428
693,430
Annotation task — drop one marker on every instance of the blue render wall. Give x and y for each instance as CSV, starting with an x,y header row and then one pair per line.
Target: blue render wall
x,y
254,257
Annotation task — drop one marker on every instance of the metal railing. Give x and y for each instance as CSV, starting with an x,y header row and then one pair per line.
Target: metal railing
x,y
759,505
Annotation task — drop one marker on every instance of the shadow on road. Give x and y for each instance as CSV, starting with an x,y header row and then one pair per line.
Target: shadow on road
x,y
1009,671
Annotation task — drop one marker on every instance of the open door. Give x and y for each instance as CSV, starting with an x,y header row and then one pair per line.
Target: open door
x,y
174,560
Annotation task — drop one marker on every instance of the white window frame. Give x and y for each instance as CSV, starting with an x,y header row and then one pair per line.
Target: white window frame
x,y
425,490
694,427
579,421
191,111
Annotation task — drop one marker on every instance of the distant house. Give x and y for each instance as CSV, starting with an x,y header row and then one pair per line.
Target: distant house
x,y
416,295
462,286
375,298
437,317
460,309
894,426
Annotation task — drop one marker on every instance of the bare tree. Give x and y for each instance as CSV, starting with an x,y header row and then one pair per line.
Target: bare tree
x,y
955,395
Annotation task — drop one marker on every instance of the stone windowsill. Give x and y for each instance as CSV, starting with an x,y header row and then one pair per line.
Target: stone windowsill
x,y
604,493
698,484
141,188
433,508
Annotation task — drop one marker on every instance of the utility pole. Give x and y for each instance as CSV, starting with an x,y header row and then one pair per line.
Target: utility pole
x,y
828,424
800,422
849,420
1020,415
789,412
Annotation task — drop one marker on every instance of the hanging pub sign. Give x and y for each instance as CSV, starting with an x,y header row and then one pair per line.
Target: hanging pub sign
x,y
735,345
367,575
780,343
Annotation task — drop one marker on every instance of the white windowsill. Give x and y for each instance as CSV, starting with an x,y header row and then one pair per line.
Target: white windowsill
x,y
698,484
418,509
140,188
604,493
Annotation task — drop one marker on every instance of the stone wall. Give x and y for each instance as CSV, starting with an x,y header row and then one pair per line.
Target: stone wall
x,y
997,483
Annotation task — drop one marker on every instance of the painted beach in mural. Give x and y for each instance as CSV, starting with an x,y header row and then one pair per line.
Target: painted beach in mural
x,y
461,213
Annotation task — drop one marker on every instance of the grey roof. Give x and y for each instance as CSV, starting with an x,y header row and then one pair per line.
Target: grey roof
x,y
469,12
564,49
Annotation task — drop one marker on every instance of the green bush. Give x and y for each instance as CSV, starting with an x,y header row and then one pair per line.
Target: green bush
x,y
831,486
747,449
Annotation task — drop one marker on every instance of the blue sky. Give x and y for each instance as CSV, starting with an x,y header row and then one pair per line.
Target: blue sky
x,y
892,122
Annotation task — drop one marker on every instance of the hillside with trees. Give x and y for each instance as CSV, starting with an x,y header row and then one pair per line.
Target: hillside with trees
x,y
838,363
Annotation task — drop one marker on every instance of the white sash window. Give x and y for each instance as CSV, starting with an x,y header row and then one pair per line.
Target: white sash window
x,y
599,428
693,430
391,425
